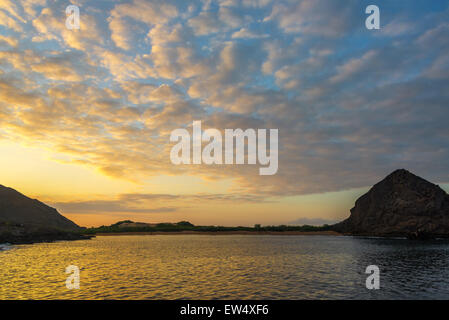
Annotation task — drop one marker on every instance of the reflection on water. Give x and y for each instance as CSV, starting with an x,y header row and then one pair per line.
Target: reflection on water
x,y
226,267
5,246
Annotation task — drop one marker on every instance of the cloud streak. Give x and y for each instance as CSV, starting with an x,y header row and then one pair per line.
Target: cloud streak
x,y
149,203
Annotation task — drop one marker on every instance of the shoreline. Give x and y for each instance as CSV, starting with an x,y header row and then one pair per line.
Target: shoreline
x,y
14,239
278,233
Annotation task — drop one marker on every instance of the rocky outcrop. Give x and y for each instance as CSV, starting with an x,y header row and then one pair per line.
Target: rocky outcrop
x,y
19,209
25,220
20,234
402,204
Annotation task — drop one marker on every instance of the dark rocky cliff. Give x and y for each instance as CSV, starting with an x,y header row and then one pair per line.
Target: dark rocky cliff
x,y
25,220
19,209
402,204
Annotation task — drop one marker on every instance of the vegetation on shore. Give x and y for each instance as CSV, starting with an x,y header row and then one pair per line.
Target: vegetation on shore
x,y
126,226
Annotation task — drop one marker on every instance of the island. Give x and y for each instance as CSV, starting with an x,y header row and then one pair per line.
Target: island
x,y
129,227
401,205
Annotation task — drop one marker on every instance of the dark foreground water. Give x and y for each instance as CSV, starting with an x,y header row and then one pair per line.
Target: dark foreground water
x,y
226,267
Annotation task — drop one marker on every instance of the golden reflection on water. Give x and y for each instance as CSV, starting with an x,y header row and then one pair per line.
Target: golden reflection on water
x,y
202,267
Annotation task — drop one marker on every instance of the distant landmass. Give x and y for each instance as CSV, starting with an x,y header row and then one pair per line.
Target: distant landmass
x,y
402,204
26,220
128,226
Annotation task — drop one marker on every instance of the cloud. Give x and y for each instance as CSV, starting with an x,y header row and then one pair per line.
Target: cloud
x,y
350,105
397,28
205,23
247,34
436,36
225,19
353,66
9,22
123,17
50,25
148,203
9,40
315,17
64,67
12,9
106,206
162,34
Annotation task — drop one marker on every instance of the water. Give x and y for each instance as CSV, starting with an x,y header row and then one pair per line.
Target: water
x,y
226,267
5,246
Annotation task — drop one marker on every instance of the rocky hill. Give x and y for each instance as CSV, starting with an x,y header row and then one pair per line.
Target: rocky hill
x,y
402,204
25,220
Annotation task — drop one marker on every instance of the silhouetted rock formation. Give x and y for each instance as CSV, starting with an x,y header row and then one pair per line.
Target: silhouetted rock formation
x,y
400,205
25,220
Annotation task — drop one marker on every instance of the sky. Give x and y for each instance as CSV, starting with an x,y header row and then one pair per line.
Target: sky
x,y
86,115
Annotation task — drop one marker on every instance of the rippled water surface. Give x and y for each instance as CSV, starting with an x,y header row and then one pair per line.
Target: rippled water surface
x,y
226,267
